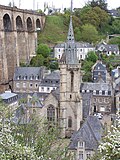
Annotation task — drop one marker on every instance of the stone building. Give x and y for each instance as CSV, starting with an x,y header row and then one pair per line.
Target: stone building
x,y
99,71
70,80
86,140
27,79
82,50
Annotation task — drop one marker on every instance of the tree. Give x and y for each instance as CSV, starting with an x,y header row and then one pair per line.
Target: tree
x,y
37,61
44,50
99,3
115,28
89,33
92,56
31,140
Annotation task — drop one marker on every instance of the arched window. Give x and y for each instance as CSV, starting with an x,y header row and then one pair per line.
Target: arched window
x,y
69,122
29,24
38,27
51,113
19,25
7,23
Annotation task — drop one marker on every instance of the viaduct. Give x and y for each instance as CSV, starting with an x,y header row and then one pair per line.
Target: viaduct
x,y
18,39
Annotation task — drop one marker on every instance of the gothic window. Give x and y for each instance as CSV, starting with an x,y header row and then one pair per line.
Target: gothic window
x,y
19,25
29,24
7,23
72,80
38,26
51,113
69,122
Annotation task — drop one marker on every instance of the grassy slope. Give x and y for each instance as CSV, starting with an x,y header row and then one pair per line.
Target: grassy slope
x,y
54,32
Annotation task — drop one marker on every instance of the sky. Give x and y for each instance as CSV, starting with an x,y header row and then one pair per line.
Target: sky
x,y
28,4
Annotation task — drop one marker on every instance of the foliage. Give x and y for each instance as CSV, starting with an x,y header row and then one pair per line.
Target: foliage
x,y
43,50
31,140
92,56
89,33
37,61
115,28
99,3
115,40
87,66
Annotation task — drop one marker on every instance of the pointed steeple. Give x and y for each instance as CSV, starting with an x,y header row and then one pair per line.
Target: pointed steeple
x,y
70,36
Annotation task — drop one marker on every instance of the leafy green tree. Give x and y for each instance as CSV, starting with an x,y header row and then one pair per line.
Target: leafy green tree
x,y
115,28
89,33
37,61
92,56
99,3
44,50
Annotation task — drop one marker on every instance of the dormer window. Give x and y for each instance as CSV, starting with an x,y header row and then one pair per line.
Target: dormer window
x,y
80,144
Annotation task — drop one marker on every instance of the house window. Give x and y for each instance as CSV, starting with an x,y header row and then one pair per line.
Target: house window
x,y
42,88
80,155
109,92
88,155
69,122
100,100
36,85
30,85
17,85
51,113
100,92
80,144
97,92
24,85
80,56
103,92
59,50
48,88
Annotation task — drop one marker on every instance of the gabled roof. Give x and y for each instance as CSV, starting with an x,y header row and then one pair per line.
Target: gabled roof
x,y
27,72
90,133
53,75
7,95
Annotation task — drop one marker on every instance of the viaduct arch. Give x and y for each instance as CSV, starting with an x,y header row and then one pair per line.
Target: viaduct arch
x,y
18,39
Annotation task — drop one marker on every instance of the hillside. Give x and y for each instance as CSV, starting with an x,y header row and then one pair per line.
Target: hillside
x,y
55,31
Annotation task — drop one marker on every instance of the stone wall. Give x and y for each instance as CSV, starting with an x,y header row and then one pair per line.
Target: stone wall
x,y
18,39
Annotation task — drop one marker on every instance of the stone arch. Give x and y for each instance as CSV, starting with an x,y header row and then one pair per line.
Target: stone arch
x,y
7,24
29,24
51,113
38,25
19,23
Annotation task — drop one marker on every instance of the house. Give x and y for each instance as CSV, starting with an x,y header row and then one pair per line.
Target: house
x,y
99,71
27,79
107,49
50,82
102,96
114,13
85,141
10,100
82,50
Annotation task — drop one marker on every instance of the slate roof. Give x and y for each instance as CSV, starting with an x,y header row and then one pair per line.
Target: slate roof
x,y
53,75
90,133
114,13
7,95
107,47
25,73
56,93
86,102
96,86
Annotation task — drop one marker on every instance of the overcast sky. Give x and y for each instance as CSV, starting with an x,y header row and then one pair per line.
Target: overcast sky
x,y
28,4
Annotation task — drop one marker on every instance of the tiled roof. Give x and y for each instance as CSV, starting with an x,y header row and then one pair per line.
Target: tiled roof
x,y
90,133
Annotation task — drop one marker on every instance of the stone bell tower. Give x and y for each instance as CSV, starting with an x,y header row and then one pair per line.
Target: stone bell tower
x,y
70,80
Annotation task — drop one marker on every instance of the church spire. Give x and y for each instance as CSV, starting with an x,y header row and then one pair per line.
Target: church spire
x,y
70,36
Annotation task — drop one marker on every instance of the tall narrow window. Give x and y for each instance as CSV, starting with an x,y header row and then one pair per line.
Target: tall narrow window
x,y
51,113
72,80
70,122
